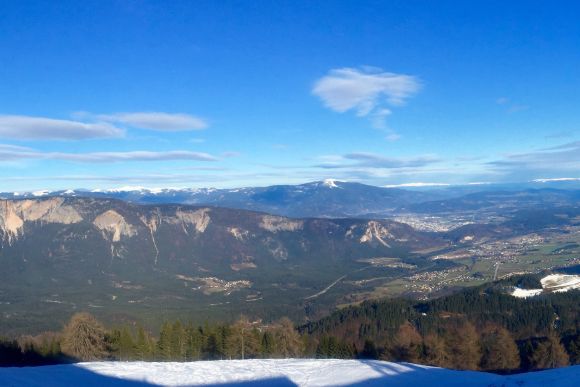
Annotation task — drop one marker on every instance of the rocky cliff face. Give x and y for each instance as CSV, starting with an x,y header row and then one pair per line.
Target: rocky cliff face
x,y
84,253
113,226
213,233
14,215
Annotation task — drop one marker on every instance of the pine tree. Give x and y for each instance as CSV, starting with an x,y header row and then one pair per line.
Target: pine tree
x,y
225,331
574,350
436,352
143,345
193,343
177,342
267,346
464,346
327,347
211,347
126,346
499,349
408,344
164,343
550,353
288,342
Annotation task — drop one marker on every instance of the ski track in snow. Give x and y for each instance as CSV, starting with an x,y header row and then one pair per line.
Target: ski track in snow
x,y
283,372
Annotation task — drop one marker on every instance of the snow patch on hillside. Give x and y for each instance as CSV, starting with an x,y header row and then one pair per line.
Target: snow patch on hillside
x,y
553,283
283,372
561,282
525,293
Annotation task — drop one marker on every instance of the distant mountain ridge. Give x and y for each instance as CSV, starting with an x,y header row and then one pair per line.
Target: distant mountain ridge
x,y
338,199
328,198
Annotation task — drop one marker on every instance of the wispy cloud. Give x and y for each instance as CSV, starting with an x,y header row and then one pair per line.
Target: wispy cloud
x,y
560,134
160,121
42,128
417,185
553,161
83,125
510,105
392,136
379,161
368,91
12,153
231,154
558,179
372,160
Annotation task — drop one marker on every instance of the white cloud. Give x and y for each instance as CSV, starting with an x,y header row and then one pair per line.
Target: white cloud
x,y
392,136
13,148
372,160
230,154
417,185
11,153
367,91
378,118
517,108
41,128
167,122
510,105
550,162
557,179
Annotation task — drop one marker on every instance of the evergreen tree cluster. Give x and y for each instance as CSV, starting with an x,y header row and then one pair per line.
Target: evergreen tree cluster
x,y
476,329
481,328
85,339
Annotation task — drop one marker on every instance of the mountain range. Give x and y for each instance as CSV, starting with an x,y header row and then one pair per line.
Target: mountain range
x,y
333,198
127,254
63,254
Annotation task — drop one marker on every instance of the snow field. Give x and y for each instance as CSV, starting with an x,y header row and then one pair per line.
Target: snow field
x,y
282,372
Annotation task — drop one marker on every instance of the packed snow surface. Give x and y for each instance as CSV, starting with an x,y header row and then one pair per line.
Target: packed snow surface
x,y
286,372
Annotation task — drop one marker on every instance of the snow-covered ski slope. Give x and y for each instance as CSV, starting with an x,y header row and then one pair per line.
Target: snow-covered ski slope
x,y
287,372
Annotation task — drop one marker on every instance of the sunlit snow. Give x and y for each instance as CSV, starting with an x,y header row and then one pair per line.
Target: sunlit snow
x,y
286,372
552,283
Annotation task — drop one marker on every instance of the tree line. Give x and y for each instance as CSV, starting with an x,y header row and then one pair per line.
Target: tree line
x,y
84,338
478,329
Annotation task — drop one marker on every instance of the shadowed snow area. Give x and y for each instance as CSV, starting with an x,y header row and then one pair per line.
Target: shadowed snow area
x,y
287,372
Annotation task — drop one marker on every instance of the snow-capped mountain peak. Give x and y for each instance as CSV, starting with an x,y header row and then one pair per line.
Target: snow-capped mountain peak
x,y
127,188
40,193
330,183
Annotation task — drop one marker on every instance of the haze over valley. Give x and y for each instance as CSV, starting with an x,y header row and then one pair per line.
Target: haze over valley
x,y
121,258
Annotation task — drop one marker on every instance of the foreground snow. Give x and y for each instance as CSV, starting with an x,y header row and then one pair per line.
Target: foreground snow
x,y
288,372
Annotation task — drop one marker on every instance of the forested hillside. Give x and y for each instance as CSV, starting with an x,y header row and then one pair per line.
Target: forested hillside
x,y
479,329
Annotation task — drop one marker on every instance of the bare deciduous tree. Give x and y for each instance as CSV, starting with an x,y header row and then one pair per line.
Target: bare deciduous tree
x,y
84,338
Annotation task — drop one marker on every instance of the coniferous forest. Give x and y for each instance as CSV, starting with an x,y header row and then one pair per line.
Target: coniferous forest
x,y
479,328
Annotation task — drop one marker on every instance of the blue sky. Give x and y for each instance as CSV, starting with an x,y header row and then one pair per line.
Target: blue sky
x,y
99,94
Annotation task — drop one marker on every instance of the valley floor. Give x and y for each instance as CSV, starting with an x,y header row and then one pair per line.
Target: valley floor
x,y
286,372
